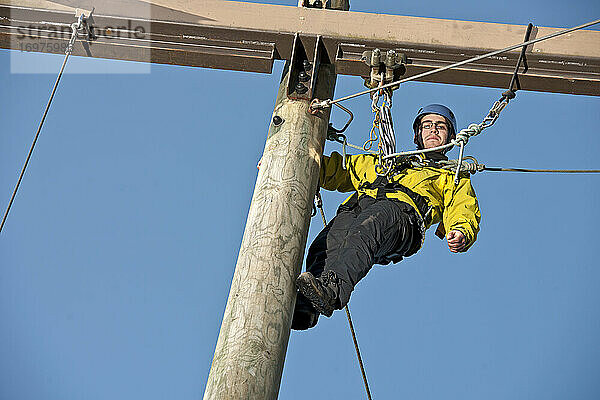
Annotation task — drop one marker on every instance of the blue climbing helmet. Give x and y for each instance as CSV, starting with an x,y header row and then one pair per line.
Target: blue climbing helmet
x,y
438,109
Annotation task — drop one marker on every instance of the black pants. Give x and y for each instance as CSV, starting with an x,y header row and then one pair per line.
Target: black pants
x,y
360,236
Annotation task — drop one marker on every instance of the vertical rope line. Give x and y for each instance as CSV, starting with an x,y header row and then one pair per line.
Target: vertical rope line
x,y
360,362
319,202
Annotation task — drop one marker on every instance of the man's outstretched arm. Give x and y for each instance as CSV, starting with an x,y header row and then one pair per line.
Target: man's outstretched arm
x,y
461,215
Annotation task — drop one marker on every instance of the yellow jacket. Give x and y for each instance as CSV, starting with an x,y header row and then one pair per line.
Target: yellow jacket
x,y
431,191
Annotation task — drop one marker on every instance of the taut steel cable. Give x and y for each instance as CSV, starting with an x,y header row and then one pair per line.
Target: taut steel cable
x,y
74,28
328,103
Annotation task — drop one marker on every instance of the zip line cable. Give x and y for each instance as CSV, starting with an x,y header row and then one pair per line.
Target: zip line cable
x,y
319,204
74,28
328,103
473,166
549,171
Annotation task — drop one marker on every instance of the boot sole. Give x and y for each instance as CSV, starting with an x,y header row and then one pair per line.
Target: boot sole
x,y
305,284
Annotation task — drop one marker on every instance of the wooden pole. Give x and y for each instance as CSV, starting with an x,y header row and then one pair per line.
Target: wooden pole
x,y
252,343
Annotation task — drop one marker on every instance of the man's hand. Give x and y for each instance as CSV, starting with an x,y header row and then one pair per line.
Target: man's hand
x,y
456,241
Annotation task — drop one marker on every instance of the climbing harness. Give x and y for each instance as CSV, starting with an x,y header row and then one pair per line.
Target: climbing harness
x,y
319,204
77,28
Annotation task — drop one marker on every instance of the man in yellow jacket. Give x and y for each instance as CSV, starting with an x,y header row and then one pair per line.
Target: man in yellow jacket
x,y
385,218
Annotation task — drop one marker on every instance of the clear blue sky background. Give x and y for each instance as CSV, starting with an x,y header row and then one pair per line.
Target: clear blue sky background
x,y
116,260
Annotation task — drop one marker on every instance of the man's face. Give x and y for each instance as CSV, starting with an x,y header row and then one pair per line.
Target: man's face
x,y
434,130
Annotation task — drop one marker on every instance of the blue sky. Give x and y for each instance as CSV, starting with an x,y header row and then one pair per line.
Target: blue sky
x,y
116,259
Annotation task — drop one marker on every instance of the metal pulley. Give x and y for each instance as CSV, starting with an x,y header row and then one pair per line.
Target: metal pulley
x,y
387,65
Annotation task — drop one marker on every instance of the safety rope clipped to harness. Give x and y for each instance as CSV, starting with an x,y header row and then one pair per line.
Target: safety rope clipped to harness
x,y
462,137
475,129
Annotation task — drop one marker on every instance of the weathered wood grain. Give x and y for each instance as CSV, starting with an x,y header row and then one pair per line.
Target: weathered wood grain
x,y
252,343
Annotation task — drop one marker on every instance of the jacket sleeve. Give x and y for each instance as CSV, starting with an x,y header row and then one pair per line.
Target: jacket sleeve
x,y
461,210
333,176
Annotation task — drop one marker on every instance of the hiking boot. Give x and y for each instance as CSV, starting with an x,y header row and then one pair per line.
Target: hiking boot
x,y
305,315
321,292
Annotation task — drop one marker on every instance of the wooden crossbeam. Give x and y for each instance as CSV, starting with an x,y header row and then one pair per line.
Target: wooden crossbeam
x,y
249,37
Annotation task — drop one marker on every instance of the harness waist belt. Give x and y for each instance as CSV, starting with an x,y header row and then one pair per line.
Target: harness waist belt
x,y
383,186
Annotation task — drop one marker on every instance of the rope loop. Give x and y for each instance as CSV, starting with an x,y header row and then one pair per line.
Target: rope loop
x,y
474,129
462,138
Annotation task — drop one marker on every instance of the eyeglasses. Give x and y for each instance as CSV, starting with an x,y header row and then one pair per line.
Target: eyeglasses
x,y
439,126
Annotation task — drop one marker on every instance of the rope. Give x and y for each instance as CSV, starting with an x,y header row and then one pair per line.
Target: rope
x,y
387,141
74,28
360,362
329,102
335,135
556,171
474,166
319,203
462,138
373,132
422,151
